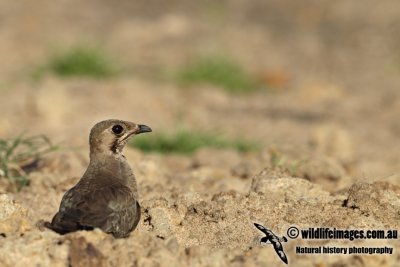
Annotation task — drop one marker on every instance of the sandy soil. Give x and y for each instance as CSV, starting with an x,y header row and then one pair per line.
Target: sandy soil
x,y
335,112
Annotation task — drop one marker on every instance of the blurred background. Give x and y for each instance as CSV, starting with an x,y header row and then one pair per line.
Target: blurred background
x,y
286,80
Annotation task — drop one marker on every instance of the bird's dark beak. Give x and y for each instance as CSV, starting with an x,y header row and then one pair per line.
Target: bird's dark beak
x,y
143,129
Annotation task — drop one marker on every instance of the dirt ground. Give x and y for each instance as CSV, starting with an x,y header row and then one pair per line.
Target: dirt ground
x,y
332,111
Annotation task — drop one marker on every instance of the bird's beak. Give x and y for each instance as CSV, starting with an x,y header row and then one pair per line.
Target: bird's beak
x,y
143,129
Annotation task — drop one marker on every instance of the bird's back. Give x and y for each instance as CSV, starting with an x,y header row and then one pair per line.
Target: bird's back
x,y
102,202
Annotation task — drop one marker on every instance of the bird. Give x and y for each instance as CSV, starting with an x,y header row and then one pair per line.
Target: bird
x,y
106,196
274,240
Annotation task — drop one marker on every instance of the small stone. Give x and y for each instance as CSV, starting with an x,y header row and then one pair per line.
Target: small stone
x,y
13,217
379,199
83,254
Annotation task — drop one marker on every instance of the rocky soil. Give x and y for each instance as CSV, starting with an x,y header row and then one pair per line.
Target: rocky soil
x,y
328,129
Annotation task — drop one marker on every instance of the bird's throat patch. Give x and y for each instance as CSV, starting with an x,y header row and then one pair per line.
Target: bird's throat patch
x,y
114,146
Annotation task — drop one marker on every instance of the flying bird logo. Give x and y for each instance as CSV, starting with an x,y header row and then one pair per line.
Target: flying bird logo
x,y
274,240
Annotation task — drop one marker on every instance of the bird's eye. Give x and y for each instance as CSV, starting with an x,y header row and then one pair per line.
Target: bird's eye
x,y
117,129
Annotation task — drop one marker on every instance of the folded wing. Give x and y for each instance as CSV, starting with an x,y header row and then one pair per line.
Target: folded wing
x,y
111,207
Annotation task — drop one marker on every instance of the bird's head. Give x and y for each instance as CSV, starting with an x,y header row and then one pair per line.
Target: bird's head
x,y
110,136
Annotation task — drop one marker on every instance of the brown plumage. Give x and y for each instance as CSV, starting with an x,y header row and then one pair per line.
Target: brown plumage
x,y
106,196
